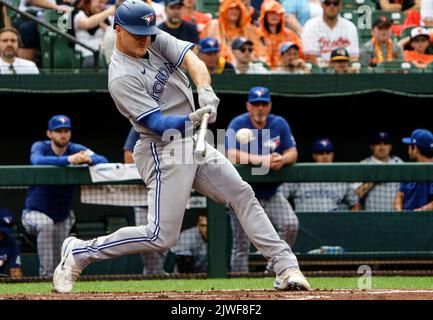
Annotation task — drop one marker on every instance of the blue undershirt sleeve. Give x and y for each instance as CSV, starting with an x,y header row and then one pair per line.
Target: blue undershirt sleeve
x,y
158,123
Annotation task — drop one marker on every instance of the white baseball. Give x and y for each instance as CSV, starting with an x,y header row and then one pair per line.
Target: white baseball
x,y
244,135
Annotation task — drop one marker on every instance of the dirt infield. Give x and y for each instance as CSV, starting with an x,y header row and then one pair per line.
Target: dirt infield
x,y
340,294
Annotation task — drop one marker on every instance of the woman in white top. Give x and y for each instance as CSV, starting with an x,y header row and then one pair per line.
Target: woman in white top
x,y
90,22
427,13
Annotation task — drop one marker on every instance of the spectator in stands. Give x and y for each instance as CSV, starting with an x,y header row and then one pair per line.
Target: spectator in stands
x,y
174,24
153,262
9,251
29,28
397,5
107,44
274,32
234,22
321,196
298,12
189,13
191,248
379,196
208,51
9,62
90,21
417,196
48,212
272,144
290,62
427,13
381,47
243,63
340,62
419,41
330,31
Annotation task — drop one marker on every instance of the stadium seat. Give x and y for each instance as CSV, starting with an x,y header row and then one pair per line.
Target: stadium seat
x,y
406,32
397,67
349,4
350,15
210,6
56,51
395,17
429,68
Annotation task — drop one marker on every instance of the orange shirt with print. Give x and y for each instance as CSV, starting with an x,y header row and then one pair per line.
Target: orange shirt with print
x,y
417,57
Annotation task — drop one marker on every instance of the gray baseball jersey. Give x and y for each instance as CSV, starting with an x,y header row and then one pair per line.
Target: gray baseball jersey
x,y
381,197
140,87
320,196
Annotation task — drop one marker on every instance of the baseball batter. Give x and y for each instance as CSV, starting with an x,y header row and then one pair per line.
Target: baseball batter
x,y
149,88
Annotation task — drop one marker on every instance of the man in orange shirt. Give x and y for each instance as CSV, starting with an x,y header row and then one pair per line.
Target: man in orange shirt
x,y
419,41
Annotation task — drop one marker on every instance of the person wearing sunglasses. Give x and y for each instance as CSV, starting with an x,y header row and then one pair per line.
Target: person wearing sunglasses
x,y
243,63
322,196
330,31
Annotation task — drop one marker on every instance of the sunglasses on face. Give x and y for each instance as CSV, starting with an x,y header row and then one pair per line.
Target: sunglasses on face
x,y
246,49
328,3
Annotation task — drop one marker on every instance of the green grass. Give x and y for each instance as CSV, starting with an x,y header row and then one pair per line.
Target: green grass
x,y
218,284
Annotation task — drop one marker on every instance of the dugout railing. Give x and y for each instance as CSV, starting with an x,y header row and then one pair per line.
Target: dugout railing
x,y
363,235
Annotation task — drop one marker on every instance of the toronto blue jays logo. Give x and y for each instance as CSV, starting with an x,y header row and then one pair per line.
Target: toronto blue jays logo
x,y
148,18
259,92
62,120
325,142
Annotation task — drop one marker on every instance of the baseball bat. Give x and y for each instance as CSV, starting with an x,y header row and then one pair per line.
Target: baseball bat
x,y
200,147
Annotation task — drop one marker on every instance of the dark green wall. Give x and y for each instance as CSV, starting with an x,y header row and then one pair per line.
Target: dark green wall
x,y
348,120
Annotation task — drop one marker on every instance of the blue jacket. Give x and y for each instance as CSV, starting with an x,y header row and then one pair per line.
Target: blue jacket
x,y
54,201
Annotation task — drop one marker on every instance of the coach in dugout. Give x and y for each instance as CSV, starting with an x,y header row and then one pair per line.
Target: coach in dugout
x,y
48,212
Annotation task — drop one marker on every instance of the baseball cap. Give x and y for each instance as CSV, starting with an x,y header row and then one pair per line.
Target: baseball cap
x,y
380,137
323,144
286,46
340,54
59,121
6,221
173,2
382,22
239,42
257,94
209,44
419,32
422,138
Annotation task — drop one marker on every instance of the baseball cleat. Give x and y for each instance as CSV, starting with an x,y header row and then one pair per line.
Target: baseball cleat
x,y
68,271
291,279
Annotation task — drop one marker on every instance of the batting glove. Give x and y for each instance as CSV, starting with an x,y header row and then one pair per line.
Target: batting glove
x,y
207,97
197,115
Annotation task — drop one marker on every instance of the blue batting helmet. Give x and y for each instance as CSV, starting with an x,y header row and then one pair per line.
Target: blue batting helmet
x,y
137,17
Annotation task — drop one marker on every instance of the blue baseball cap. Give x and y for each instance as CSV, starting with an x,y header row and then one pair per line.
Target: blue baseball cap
x,y
323,144
381,137
209,44
59,121
6,221
239,42
257,94
422,138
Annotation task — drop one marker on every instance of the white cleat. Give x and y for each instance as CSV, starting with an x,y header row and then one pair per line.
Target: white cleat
x,y
68,271
291,279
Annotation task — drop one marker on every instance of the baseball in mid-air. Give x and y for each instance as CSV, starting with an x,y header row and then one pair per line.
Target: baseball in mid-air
x,y
244,135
